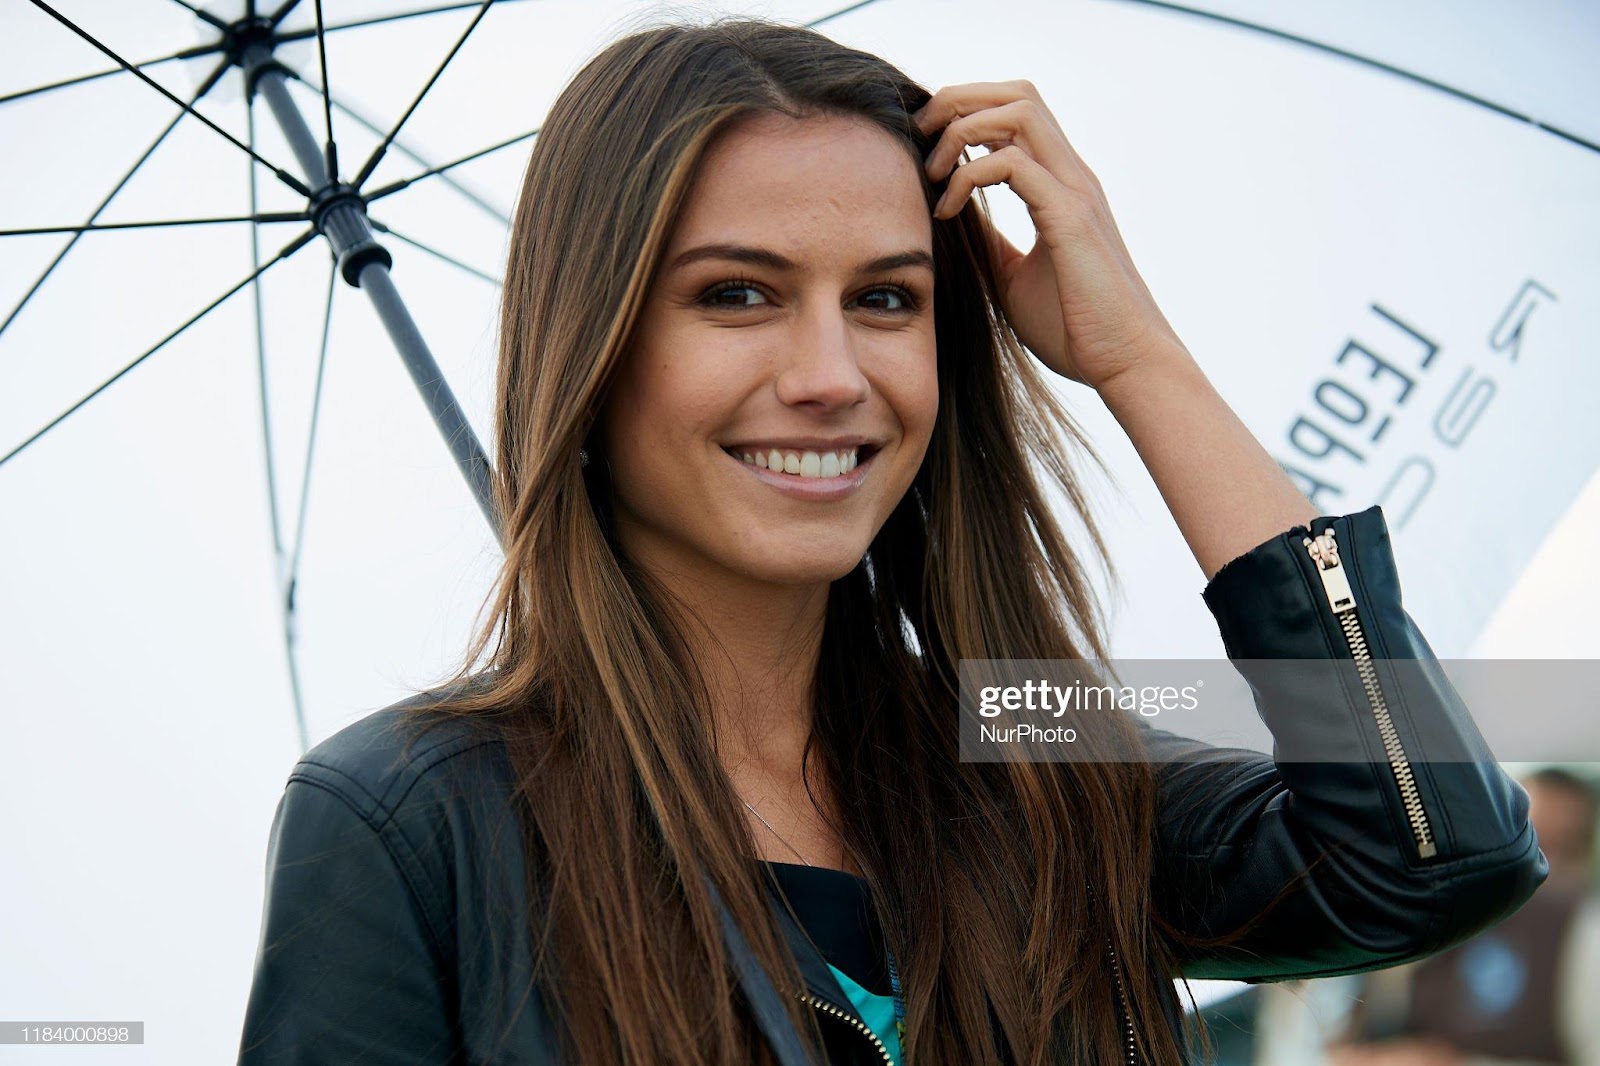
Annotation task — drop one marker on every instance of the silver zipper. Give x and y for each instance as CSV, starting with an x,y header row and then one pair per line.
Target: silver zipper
x,y
837,1013
1122,1006
1325,553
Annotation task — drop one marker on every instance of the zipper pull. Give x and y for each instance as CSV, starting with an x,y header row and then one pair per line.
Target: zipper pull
x,y
1325,552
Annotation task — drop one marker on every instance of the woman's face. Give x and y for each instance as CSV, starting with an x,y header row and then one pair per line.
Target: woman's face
x,y
791,323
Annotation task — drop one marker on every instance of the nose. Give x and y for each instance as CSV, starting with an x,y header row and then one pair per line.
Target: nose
x,y
821,368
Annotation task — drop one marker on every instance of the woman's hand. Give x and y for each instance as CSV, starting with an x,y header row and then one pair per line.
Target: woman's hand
x,y
1075,299
1078,304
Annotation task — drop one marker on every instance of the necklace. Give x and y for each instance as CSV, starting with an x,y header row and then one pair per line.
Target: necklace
x,y
774,832
894,971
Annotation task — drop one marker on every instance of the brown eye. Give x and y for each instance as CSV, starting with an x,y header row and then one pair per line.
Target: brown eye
x,y
907,301
713,296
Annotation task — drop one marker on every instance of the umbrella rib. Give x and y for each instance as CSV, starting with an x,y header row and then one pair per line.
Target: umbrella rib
x,y
205,87
311,437
292,583
377,155
203,16
282,175
261,351
300,524
100,227
300,35
288,250
285,576
330,150
436,253
197,52
841,12
1378,64
282,13
405,183
371,127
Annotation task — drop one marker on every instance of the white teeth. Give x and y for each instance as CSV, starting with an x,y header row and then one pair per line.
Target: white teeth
x,y
806,463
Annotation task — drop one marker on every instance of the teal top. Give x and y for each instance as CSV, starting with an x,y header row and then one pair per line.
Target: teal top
x,y
877,1011
835,909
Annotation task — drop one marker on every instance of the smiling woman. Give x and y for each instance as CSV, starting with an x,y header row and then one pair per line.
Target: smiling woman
x,y
782,326
749,282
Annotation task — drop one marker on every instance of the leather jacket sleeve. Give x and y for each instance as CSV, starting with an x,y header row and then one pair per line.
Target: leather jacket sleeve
x,y
349,967
1314,865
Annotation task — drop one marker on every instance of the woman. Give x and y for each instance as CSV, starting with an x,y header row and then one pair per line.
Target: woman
x,y
771,465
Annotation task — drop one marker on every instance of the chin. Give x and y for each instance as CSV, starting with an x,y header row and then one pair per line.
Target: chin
x,y
809,569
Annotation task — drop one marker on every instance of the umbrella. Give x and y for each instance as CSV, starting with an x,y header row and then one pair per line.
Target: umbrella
x,y
255,530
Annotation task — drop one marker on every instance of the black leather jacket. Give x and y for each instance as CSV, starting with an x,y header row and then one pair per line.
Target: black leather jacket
x,y
393,882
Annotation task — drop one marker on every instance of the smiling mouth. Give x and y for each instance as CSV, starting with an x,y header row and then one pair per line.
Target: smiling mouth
x,y
806,463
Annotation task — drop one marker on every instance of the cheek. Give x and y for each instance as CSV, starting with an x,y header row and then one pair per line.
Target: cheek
x,y
661,414
914,396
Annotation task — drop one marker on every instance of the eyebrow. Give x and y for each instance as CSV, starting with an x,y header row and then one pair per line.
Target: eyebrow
x,y
773,260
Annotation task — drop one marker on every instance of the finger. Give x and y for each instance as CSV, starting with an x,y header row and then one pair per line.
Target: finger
x,y
1021,122
953,101
961,101
1038,188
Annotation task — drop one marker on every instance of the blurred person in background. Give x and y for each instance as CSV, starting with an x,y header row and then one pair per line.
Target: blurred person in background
x,y
1525,991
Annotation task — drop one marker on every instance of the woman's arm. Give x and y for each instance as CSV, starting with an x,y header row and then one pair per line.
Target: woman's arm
x,y
1372,894
1353,854
1391,856
1223,489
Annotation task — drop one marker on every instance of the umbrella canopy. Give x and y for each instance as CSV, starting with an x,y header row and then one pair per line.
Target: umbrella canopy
x,y
254,533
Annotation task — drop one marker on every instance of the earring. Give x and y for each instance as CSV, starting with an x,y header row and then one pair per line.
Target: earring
x,y
583,457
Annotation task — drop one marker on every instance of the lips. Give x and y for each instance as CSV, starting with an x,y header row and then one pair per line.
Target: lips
x,y
814,478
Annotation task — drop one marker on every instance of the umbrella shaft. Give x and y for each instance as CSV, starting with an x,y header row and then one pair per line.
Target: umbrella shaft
x,y
341,217
270,82
430,382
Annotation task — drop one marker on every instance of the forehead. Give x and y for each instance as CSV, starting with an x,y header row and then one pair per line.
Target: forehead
x,y
805,187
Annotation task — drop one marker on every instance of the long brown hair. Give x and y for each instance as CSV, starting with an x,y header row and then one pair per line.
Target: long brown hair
x,y
1000,886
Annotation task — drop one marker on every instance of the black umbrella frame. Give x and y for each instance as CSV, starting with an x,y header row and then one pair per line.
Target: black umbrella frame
x,y
336,210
